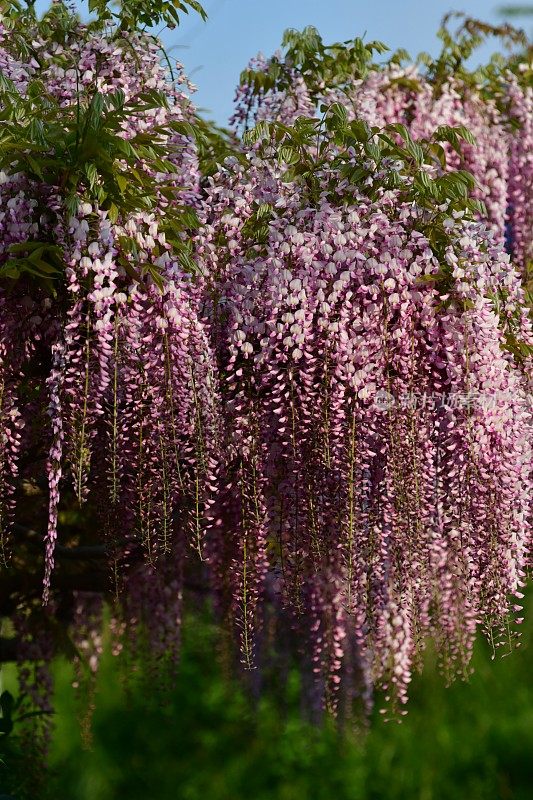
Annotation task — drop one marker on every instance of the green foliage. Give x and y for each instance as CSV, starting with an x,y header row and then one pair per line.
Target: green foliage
x,y
125,15
458,45
79,148
516,11
312,147
79,151
335,66
12,712
133,15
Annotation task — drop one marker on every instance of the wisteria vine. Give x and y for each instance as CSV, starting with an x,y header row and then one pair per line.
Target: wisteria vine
x,y
300,381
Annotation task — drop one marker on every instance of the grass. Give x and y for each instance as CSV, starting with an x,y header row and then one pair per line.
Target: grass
x,y
206,740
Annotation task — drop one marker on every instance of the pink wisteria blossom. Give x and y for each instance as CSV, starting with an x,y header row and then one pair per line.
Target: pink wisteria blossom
x,y
297,426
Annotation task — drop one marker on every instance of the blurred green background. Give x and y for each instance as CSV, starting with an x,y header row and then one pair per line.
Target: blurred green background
x,y
206,739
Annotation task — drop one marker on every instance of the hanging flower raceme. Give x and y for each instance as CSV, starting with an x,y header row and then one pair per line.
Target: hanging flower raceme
x,y
377,426
316,406
113,372
521,171
26,326
133,389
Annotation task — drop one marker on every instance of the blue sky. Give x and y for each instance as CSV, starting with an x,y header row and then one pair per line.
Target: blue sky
x,y
215,52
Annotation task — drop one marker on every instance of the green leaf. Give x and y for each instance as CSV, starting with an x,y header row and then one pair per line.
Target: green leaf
x,y
401,130
374,151
35,166
92,175
122,182
360,130
465,134
113,213
260,131
338,112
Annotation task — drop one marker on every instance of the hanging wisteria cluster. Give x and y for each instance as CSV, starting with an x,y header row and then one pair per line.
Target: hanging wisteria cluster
x,y
380,435
494,104
109,396
300,383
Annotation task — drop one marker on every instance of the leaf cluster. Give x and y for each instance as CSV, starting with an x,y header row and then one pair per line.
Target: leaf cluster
x,y
337,66
124,16
133,15
333,66
9,706
341,160
459,45
78,152
372,159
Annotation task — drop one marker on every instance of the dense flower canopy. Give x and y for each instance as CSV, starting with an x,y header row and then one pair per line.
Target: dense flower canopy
x,y
495,106
382,436
300,380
